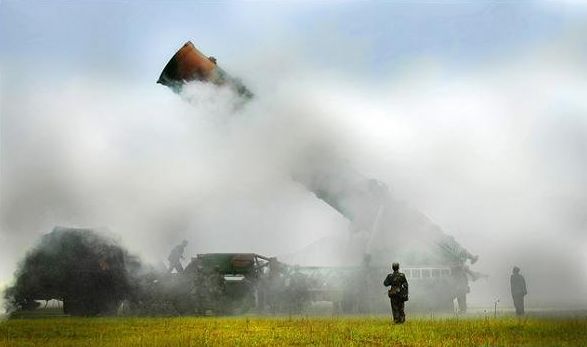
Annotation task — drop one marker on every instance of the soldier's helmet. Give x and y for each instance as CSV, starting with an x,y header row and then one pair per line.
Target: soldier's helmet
x,y
516,269
395,266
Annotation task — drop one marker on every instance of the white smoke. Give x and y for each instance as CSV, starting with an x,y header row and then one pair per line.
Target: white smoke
x,y
495,156
156,169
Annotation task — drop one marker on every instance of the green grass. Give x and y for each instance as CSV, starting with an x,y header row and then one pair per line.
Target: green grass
x,y
263,331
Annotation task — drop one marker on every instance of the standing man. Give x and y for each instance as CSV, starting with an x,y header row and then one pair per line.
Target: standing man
x,y
518,285
398,293
461,285
175,256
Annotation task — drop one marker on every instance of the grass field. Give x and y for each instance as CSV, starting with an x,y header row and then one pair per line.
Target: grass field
x,y
358,331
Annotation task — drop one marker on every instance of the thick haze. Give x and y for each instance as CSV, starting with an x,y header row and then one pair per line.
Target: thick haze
x,y
475,114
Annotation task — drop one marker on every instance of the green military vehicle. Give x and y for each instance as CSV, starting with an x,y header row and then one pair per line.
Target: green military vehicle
x,y
226,283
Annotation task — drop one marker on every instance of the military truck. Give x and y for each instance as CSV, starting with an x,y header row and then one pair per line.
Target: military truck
x,y
227,283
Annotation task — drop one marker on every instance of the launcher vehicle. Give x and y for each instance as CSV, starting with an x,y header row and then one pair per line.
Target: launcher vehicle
x,y
382,227
90,275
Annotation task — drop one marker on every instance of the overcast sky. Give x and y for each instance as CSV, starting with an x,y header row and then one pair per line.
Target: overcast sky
x,y
473,111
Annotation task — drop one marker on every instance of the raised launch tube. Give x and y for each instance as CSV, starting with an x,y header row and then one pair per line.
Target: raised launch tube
x,y
189,64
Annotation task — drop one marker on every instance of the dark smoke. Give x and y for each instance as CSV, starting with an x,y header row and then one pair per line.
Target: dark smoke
x,y
86,269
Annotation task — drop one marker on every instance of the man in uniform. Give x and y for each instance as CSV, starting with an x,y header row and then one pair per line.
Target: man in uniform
x,y
460,286
398,293
518,285
175,256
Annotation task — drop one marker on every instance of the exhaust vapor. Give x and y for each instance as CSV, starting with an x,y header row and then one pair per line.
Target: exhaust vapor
x,y
494,154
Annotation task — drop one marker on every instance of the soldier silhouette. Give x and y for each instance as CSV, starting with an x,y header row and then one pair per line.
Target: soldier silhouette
x,y
398,293
518,286
175,257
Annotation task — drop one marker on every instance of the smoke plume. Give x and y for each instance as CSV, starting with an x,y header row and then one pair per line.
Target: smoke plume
x,y
493,155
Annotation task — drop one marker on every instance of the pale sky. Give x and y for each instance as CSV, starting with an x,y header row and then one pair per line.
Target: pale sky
x,y
62,39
